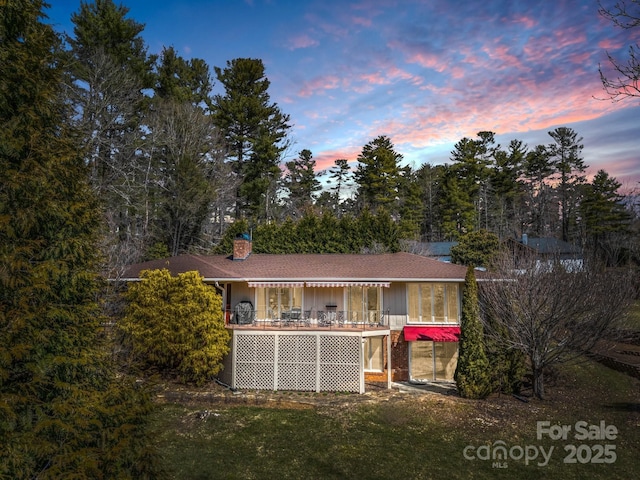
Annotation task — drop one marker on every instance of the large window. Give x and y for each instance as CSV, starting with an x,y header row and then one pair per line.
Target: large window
x,y
434,302
433,360
363,304
373,354
273,301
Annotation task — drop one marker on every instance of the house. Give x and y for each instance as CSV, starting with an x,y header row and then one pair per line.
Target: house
x,y
331,322
438,250
547,249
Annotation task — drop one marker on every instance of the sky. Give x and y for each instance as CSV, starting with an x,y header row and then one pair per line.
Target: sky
x,y
425,73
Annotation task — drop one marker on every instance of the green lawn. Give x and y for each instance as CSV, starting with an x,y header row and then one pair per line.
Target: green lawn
x,y
402,436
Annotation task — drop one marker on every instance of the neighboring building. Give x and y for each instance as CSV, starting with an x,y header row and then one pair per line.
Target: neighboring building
x,y
438,250
331,322
547,249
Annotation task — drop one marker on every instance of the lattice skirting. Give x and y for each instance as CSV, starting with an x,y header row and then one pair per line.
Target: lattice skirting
x,y
307,362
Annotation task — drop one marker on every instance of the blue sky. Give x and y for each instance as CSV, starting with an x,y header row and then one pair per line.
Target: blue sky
x,y
424,73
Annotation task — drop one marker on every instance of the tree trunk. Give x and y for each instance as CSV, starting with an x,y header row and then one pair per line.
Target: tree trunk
x,y
538,382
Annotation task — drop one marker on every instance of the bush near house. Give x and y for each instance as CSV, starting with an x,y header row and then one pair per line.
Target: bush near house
x,y
176,324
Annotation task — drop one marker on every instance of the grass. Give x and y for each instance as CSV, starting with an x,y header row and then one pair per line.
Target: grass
x,y
392,435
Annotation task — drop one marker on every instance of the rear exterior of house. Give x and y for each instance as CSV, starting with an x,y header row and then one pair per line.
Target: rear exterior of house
x,y
331,322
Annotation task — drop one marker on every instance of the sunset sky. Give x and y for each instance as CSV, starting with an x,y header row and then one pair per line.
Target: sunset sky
x,y
425,73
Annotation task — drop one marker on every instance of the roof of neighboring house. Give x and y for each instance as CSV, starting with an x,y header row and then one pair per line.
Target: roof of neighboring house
x,y
550,246
303,267
437,249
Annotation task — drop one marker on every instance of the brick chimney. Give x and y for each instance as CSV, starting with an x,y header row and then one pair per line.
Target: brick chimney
x,y
241,247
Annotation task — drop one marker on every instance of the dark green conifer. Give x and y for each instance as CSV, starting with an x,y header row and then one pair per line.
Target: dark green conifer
x,y
472,371
60,406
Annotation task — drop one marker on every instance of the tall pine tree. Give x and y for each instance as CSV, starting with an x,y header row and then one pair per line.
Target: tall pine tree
x,y
61,411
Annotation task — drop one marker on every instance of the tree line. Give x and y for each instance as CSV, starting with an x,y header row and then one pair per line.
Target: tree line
x,y
175,164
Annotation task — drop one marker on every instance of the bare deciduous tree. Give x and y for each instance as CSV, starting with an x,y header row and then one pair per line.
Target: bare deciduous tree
x,y
550,312
622,82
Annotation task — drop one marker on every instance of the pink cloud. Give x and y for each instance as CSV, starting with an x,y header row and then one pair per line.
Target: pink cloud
x,y
318,84
326,159
302,41
364,22
375,78
427,60
609,44
527,22
503,55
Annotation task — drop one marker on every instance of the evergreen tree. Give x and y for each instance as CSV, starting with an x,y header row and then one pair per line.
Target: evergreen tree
x,y
255,132
537,172
506,191
378,175
476,248
301,181
410,205
62,412
183,80
472,371
340,174
455,207
108,70
565,154
429,179
472,160
606,220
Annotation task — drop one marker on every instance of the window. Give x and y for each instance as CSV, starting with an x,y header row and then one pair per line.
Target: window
x,y
433,302
433,360
272,301
374,354
363,304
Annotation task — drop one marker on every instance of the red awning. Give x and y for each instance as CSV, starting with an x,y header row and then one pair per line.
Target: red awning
x,y
414,333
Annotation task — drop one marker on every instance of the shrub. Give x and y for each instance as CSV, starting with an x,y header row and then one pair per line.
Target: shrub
x,y
176,324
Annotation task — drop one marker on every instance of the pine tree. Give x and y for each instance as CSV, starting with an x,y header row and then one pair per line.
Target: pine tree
x,y
565,153
255,131
62,413
472,371
378,174
301,181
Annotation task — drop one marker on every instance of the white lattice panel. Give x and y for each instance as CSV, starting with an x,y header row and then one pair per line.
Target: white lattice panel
x,y
293,376
340,364
298,364
255,348
255,376
297,349
255,355
339,378
343,350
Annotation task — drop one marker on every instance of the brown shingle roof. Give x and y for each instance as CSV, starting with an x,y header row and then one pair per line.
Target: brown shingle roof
x,y
302,267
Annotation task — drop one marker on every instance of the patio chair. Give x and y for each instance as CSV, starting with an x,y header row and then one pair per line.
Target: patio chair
x,y
294,316
306,318
324,320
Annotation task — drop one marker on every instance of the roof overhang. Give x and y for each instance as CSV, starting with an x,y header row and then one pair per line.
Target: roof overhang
x,y
276,284
347,284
